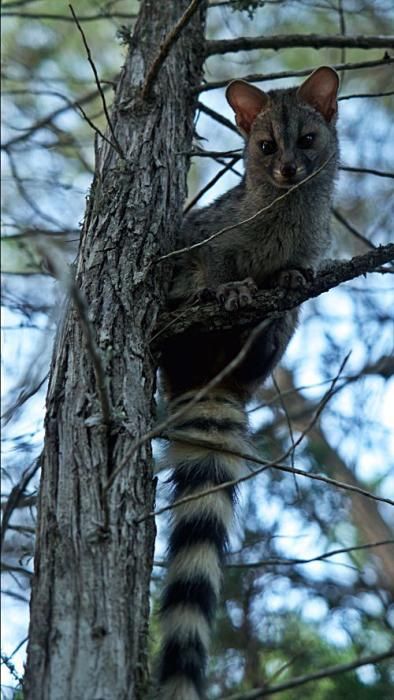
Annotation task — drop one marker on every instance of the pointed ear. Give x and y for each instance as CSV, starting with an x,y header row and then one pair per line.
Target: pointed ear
x,y
320,91
247,101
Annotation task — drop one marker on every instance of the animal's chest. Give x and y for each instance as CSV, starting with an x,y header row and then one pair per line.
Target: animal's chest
x,y
275,246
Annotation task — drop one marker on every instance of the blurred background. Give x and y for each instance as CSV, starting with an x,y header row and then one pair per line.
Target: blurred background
x,y
292,604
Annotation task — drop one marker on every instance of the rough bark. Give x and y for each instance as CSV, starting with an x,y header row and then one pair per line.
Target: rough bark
x,y
90,604
272,303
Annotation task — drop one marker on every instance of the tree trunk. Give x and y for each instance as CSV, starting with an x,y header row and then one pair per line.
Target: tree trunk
x,y
90,598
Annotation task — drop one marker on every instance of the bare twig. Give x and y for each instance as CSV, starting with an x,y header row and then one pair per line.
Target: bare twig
x,y
280,75
342,29
165,48
229,124
365,95
65,18
352,229
6,660
218,117
258,213
384,367
116,143
211,183
24,395
155,432
265,465
236,152
370,171
285,41
31,201
16,495
295,562
253,458
320,557
42,123
288,419
301,680
94,126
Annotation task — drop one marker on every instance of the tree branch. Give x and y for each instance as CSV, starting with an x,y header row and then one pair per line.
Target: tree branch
x,y
116,143
16,495
286,41
40,16
165,48
270,304
42,123
320,557
301,680
294,562
386,60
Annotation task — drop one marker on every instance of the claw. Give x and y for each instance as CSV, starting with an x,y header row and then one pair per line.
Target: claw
x,y
295,278
234,295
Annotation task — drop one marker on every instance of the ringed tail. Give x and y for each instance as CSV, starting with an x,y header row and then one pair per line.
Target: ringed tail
x,y
199,536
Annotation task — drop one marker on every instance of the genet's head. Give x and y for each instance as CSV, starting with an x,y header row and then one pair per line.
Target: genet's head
x,y
290,133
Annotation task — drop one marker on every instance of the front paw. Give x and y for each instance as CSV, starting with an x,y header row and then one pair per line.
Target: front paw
x,y
236,295
295,278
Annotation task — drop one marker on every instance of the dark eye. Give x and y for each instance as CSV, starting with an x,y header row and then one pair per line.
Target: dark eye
x,y
306,141
268,147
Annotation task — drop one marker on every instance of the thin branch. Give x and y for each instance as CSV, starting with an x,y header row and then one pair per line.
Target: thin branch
x,y
258,213
155,432
337,214
166,46
65,18
364,95
218,117
235,152
18,646
30,201
41,123
261,77
294,562
301,680
320,557
288,421
342,29
6,660
94,127
211,183
370,171
116,143
384,367
253,458
18,3
265,466
16,495
24,395
9,569
286,41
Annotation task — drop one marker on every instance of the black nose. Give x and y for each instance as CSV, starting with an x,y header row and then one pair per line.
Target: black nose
x,y
288,170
